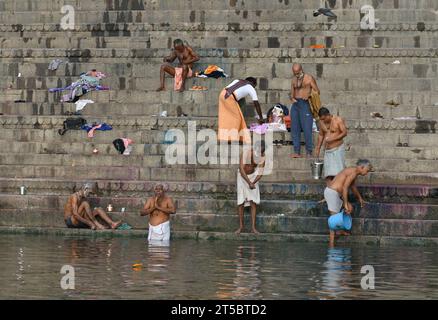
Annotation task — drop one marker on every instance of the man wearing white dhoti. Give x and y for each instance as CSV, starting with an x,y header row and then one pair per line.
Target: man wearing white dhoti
x,y
159,208
332,132
249,174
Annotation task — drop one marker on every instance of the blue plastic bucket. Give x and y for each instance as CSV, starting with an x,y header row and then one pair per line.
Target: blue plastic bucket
x,y
340,221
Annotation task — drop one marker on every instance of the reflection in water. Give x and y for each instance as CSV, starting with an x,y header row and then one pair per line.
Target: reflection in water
x,y
187,269
246,282
337,274
158,261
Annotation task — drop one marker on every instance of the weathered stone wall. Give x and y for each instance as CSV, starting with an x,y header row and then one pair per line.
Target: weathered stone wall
x,y
128,39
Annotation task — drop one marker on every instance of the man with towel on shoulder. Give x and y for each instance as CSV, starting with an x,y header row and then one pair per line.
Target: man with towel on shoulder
x,y
231,124
250,172
332,132
159,208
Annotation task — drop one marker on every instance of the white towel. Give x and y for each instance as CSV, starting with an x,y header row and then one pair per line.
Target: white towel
x,y
334,161
244,193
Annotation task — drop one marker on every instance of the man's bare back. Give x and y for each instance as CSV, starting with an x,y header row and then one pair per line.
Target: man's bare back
x,y
348,176
68,207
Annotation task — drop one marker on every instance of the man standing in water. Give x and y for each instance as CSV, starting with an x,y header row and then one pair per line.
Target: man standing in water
x,y
159,208
332,132
336,194
78,214
252,163
186,57
301,115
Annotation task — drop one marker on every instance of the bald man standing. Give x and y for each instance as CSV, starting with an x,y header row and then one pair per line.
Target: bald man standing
x,y
301,116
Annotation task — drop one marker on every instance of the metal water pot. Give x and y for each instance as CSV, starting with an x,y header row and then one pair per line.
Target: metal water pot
x,y
317,167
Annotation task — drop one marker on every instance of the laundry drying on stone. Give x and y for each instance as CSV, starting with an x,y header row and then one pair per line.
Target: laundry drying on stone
x,y
90,128
123,145
212,71
87,82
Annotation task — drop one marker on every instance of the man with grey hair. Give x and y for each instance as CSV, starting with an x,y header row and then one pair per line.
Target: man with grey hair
x,y
78,213
300,113
159,208
336,194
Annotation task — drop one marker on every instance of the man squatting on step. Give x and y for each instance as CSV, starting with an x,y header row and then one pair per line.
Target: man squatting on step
x,y
332,132
159,208
250,172
78,214
336,194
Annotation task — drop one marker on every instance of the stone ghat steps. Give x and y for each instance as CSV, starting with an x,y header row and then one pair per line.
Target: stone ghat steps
x,y
424,14
338,96
144,40
154,140
268,85
96,55
36,70
50,156
296,171
110,5
395,127
305,190
189,204
188,221
211,110
60,152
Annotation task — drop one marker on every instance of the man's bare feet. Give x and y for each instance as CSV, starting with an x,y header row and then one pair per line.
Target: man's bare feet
x,y
99,226
161,89
254,230
239,231
93,227
115,225
296,156
181,90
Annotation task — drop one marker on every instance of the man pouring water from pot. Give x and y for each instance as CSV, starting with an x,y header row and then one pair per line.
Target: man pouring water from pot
x,y
332,132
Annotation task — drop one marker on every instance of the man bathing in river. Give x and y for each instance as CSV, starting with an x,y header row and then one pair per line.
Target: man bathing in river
x,y
159,208
332,132
250,172
186,57
336,194
78,214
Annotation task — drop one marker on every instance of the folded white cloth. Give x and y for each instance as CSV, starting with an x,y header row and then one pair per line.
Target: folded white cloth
x,y
80,104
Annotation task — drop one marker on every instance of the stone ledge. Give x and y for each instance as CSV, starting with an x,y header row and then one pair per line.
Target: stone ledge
x,y
210,236
262,26
158,123
221,53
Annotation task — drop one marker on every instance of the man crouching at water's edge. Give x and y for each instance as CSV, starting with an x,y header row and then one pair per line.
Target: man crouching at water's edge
x,y
336,194
159,208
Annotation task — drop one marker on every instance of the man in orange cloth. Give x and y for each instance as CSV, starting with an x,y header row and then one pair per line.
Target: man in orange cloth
x,y
232,126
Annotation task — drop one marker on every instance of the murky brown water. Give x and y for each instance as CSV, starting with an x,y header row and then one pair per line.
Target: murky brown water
x,y
30,268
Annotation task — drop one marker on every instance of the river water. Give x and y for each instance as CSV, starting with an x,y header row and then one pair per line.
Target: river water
x,y
187,269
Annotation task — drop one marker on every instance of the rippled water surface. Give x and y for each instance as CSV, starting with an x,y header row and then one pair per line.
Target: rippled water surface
x,y
31,265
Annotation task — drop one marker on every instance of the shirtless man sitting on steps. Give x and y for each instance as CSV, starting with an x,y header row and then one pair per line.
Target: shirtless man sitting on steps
x,y
336,194
78,214
186,57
